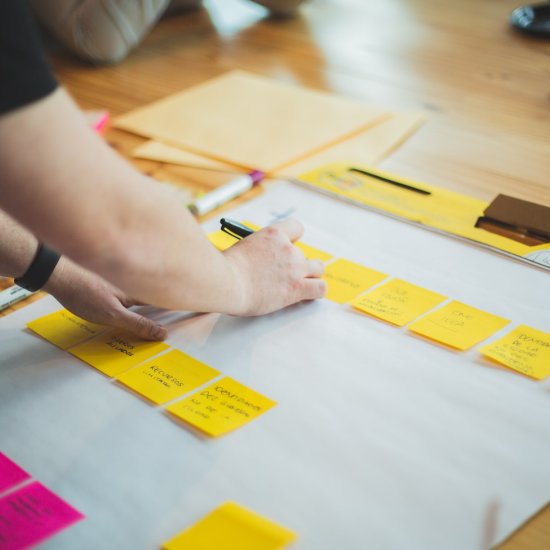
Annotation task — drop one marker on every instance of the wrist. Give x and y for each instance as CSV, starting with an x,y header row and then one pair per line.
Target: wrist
x,y
40,269
238,293
56,280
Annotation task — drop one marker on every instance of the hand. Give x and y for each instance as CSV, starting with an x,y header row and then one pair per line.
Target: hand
x,y
94,299
273,273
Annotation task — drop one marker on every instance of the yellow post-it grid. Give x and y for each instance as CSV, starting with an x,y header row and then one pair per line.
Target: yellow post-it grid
x,y
232,527
116,351
63,329
458,325
346,280
398,302
168,376
221,407
524,349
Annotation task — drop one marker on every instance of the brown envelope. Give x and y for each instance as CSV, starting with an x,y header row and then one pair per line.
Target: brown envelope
x,y
251,121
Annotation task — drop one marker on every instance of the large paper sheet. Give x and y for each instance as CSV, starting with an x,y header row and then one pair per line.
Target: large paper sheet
x,y
380,439
369,147
251,121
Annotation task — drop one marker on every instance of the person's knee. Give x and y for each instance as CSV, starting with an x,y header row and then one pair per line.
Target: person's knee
x,y
106,32
98,44
281,7
102,32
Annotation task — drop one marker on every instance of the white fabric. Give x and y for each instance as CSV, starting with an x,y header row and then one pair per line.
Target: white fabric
x,y
380,440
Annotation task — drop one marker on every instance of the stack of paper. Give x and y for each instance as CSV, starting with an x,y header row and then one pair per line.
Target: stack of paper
x,y
241,121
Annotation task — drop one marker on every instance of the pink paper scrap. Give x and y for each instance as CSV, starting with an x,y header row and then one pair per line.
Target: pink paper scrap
x,y
10,473
32,514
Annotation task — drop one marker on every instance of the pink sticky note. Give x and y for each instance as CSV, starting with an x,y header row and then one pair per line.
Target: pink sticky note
x,y
32,514
10,473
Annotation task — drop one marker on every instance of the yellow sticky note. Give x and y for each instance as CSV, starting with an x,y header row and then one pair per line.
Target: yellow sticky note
x,y
525,349
168,376
64,329
232,527
458,325
313,253
221,407
116,351
222,240
398,302
346,280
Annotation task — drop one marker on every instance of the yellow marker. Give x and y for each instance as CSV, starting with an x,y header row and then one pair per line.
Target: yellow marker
x,y
313,253
398,302
346,280
458,325
168,376
525,349
232,527
115,351
221,407
64,329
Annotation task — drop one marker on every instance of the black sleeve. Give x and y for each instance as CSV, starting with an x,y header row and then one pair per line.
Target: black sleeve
x,y
25,75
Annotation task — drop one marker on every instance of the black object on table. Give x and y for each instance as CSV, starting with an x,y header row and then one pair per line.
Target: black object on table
x,y
533,19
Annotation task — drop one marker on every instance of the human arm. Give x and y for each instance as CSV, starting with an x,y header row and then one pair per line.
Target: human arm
x,y
80,291
81,198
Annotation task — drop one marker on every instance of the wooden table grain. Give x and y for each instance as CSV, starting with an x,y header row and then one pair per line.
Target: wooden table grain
x,y
485,89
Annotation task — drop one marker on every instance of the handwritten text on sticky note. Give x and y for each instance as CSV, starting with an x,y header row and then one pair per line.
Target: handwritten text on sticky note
x,y
524,349
221,407
64,329
458,325
232,527
346,280
168,376
116,351
398,302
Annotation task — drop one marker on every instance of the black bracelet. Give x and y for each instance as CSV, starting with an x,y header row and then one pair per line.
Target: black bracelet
x,y
39,271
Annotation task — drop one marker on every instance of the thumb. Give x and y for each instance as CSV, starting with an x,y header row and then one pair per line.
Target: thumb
x,y
139,325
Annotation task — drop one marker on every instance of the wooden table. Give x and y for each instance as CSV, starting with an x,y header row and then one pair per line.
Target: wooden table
x,y
486,91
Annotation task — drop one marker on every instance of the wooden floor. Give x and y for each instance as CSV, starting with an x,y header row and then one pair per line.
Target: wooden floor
x,y
486,90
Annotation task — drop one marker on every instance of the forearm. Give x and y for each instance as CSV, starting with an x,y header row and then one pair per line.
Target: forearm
x,y
79,197
17,247
80,291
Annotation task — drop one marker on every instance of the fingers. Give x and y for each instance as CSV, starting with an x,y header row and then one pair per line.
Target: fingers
x,y
313,289
293,229
315,268
139,325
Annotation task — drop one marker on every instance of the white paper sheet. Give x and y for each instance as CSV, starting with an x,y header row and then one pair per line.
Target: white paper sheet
x,y
380,440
